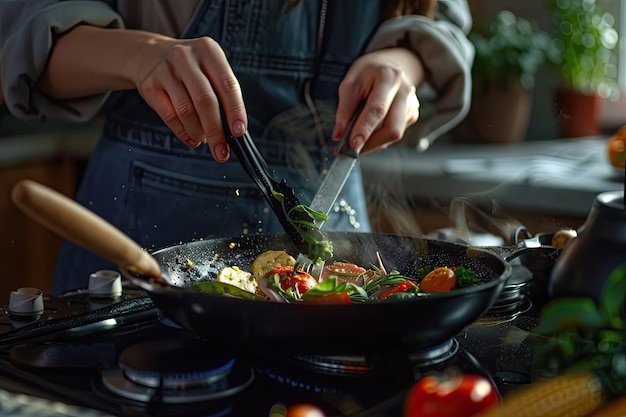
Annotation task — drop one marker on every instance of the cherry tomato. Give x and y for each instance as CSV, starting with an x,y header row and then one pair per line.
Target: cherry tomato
x,y
440,279
458,396
303,281
304,410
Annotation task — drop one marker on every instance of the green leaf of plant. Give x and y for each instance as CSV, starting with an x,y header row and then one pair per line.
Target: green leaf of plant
x,y
614,294
569,313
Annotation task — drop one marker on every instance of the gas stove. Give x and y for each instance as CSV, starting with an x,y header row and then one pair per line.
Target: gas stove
x,y
86,354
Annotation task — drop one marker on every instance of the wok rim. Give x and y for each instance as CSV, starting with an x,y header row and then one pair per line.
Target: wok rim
x,y
486,285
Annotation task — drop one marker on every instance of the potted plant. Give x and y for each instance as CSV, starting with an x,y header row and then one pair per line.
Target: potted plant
x,y
509,51
586,40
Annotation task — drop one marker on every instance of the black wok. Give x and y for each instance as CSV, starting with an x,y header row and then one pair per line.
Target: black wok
x,y
426,322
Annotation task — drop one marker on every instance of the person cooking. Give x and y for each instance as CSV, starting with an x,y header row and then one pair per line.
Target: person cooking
x,y
290,72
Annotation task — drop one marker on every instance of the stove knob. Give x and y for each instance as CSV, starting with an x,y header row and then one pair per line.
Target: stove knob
x,y
105,284
26,301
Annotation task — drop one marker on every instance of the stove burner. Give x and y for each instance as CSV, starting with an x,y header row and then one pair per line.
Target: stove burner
x,y
176,371
505,313
335,365
174,363
434,355
363,365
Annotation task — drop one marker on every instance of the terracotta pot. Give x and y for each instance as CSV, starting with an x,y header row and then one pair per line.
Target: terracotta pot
x,y
499,114
579,114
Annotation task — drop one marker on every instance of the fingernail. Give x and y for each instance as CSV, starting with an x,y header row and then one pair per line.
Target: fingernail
x,y
336,132
357,141
202,139
221,152
192,143
239,128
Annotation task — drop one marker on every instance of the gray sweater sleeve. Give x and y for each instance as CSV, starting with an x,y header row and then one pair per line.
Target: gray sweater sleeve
x,y
447,55
27,33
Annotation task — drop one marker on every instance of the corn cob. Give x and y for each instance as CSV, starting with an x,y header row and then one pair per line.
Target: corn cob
x,y
566,395
616,408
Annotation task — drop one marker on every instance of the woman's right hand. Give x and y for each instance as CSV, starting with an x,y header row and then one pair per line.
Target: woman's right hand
x,y
183,80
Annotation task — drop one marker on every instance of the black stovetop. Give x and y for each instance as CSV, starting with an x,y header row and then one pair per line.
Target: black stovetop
x,y
73,354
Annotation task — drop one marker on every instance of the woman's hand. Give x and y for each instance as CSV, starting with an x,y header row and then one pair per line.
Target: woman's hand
x,y
182,80
386,79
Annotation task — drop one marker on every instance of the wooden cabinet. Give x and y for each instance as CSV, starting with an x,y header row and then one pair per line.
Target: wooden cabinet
x,y
28,251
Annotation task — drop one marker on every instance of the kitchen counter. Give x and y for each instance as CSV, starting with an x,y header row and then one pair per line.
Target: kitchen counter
x,y
76,143
560,177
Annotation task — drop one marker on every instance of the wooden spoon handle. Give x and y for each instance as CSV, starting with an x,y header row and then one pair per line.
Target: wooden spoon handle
x,y
75,223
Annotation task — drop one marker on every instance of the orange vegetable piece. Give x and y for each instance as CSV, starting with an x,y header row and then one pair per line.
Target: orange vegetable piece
x,y
440,279
616,148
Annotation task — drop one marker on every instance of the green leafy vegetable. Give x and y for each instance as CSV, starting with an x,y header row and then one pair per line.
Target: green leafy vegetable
x,y
465,277
303,218
332,285
329,286
221,288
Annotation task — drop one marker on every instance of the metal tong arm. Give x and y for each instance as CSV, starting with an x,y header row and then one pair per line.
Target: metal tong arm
x,y
257,169
253,163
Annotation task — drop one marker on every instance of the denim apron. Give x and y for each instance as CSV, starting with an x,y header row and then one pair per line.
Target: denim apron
x,y
161,192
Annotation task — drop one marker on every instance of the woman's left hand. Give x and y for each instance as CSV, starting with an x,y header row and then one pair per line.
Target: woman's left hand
x,y
386,79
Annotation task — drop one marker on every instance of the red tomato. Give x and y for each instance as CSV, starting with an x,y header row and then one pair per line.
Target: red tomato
x,y
458,396
303,281
441,279
401,287
304,410
335,298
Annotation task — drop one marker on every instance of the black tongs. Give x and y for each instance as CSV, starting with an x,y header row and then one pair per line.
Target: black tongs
x,y
255,166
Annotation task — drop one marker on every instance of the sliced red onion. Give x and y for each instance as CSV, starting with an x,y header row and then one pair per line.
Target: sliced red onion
x,y
270,292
